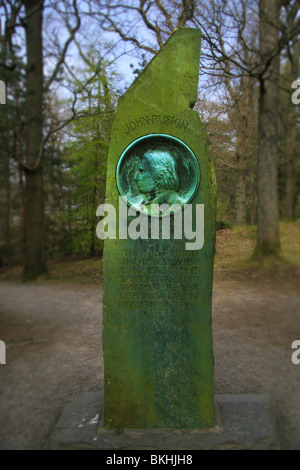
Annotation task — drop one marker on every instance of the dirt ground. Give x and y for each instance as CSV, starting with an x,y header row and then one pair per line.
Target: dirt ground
x,y
53,336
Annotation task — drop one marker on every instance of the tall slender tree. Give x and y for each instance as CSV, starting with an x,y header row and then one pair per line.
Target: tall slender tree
x,y
33,131
4,166
35,255
10,118
288,117
268,239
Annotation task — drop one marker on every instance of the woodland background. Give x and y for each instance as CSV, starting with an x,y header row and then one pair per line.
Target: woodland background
x,y
65,63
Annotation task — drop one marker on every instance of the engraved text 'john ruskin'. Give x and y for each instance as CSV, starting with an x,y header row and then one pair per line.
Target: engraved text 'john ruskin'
x,y
149,119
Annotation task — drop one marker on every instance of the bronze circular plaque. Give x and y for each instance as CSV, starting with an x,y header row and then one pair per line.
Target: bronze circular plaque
x,y
157,172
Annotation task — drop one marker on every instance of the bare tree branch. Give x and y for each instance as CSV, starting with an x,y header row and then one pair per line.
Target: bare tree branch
x,y
187,12
72,30
166,14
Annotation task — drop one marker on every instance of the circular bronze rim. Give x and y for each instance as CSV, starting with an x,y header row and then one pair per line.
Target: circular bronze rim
x,y
153,136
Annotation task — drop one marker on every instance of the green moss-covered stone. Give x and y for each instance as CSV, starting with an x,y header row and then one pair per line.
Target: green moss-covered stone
x,y
157,332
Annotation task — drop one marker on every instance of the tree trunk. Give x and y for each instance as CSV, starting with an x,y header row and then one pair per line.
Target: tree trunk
x,y
92,219
240,117
19,157
289,121
35,259
4,169
243,112
240,197
4,205
268,240
290,149
252,201
22,208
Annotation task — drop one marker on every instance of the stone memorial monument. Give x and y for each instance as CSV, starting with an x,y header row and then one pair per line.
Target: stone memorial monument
x,y
159,231
157,333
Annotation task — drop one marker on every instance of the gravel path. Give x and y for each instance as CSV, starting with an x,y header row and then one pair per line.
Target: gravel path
x,y
53,338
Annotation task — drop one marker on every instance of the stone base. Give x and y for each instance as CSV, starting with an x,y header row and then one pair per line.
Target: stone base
x,y
242,422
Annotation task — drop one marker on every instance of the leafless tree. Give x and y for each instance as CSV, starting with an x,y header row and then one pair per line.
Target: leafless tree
x,y
230,52
30,138
288,114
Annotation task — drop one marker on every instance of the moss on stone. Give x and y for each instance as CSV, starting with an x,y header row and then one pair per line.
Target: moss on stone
x,y
158,355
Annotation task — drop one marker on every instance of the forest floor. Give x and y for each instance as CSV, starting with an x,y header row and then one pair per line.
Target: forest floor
x,y
52,330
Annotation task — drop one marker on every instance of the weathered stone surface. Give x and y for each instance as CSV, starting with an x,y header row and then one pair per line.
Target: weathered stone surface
x,y
242,422
157,335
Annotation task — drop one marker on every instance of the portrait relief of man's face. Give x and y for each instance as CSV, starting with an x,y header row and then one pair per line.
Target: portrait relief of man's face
x,y
145,178
156,172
